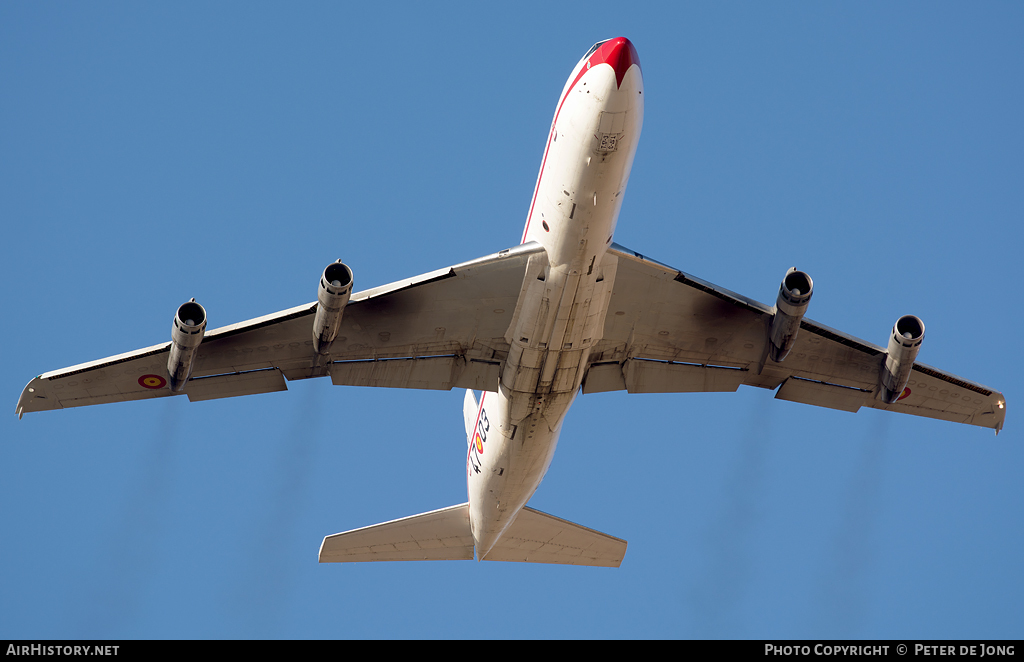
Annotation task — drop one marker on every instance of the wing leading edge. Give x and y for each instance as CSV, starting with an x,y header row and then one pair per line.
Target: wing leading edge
x,y
670,332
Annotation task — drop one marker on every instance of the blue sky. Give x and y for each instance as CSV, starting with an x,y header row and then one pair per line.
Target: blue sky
x,y
228,152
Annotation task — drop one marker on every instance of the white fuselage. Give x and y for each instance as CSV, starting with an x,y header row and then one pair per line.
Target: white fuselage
x,y
562,306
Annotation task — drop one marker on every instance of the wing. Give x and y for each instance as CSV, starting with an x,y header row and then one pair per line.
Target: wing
x,y
436,331
667,331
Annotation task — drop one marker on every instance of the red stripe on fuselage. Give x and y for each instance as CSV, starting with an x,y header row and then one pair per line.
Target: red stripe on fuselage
x,y
620,55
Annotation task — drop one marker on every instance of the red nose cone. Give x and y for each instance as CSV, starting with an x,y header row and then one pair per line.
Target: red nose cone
x,y
619,53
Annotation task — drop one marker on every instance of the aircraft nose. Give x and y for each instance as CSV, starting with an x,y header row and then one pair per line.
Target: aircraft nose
x,y
620,54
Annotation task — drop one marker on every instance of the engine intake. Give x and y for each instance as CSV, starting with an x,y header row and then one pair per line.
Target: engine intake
x,y
332,297
790,306
904,344
187,331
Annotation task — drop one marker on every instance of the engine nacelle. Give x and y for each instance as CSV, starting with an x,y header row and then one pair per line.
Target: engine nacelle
x,y
904,344
186,334
335,290
790,306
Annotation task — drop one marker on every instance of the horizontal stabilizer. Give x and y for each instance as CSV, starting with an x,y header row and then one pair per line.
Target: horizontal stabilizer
x,y
440,535
537,537
445,535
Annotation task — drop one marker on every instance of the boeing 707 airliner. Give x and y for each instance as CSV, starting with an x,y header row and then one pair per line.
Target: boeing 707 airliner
x,y
565,312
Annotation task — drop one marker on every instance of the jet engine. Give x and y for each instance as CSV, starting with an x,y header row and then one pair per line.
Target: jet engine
x,y
904,344
790,306
186,334
335,290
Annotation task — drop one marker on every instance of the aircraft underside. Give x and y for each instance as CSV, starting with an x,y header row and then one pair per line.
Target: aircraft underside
x,y
531,327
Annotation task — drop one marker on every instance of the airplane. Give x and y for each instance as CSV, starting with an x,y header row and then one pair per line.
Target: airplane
x,y
565,312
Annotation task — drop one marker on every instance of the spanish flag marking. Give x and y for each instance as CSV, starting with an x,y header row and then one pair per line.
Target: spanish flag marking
x,y
152,381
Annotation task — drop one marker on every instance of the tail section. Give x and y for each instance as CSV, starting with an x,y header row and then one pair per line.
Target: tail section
x,y
445,535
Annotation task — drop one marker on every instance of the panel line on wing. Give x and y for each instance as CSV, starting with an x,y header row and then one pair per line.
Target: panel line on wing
x,y
951,379
107,364
245,327
402,358
369,294
818,381
842,340
229,374
690,363
697,285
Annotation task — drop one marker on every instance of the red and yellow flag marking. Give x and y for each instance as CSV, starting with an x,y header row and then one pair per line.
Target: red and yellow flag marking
x,y
152,381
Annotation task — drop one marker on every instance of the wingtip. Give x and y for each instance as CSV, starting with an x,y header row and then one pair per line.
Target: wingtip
x,y
19,409
320,552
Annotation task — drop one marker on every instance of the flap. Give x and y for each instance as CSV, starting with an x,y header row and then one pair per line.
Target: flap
x,y
229,386
822,394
